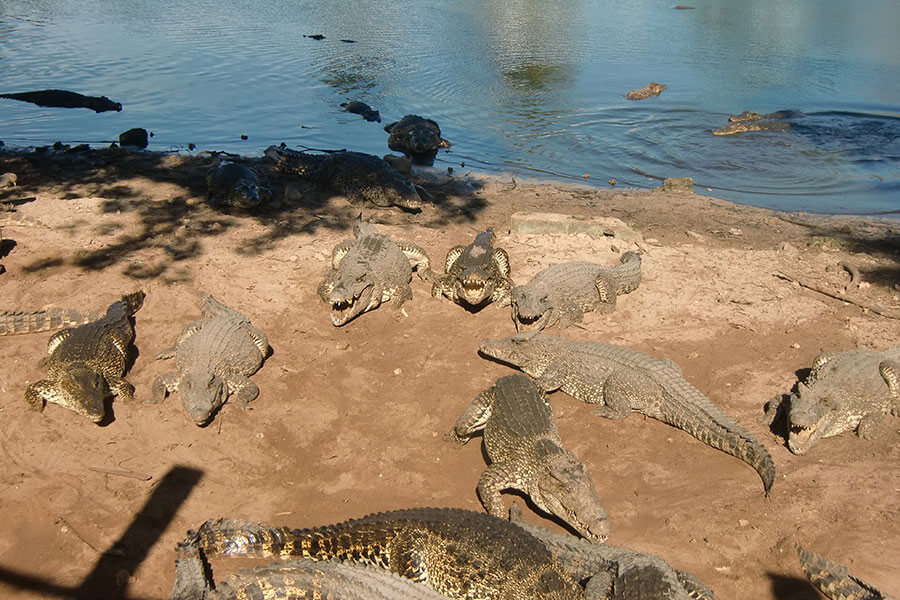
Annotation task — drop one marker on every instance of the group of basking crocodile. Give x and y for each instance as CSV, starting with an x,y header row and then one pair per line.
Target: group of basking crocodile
x,y
431,553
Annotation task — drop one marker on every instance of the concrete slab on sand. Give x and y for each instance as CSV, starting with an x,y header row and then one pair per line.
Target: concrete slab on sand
x,y
555,223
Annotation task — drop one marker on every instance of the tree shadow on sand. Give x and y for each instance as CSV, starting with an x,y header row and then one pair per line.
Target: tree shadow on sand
x,y
174,226
118,563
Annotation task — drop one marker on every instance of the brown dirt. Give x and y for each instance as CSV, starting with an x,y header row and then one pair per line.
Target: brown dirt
x,y
350,419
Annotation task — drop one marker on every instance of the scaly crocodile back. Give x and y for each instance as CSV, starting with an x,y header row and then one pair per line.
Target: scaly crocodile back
x,y
17,322
461,554
834,580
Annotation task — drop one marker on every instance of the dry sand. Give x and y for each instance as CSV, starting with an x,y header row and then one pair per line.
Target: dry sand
x,y
349,420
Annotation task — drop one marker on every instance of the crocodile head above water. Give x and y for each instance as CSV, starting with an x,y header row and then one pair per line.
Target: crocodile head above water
x,y
82,390
566,490
201,393
812,417
530,310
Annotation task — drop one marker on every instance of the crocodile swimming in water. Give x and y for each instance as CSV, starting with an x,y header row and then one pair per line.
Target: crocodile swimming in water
x,y
360,177
621,380
526,454
416,137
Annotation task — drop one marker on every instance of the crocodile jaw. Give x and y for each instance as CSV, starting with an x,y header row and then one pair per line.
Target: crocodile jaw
x,y
344,308
567,491
201,394
473,289
807,423
82,391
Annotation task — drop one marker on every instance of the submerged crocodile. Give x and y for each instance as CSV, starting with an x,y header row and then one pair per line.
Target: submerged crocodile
x,y
622,380
364,110
651,89
746,127
747,116
416,137
614,572
87,363
51,319
834,580
461,554
475,274
233,185
562,293
215,357
845,391
360,177
299,579
66,99
526,454
368,271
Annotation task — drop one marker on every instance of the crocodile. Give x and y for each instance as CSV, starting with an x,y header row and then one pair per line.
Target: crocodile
x,y
563,292
747,127
622,380
300,579
834,580
230,184
87,363
370,270
461,554
214,357
845,391
66,99
51,319
360,177
364,110
615,572
747,116
416,137
475,274
651,89
526,454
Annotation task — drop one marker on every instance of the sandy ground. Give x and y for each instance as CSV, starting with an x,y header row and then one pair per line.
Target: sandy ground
x,y
349,420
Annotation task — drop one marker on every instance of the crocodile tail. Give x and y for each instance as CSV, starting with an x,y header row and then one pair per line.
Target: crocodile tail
x,y
230,537
16,322
627,276
126,306
686,408
833,580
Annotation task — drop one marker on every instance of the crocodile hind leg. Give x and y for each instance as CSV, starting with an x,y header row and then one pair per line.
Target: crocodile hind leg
x,y
869,425
624,389
473,419
890,372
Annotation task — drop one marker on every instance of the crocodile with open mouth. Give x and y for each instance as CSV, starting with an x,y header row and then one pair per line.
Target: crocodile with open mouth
x,y
563,292
476,274
368,271
845,391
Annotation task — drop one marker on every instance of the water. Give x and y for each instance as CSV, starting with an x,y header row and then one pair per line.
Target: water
x,y
531,87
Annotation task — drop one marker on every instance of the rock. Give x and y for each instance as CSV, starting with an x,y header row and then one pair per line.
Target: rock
x,y
595,227
136,137
678,184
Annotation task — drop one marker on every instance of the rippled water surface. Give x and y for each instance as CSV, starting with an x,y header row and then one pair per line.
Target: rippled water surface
x,y
532,87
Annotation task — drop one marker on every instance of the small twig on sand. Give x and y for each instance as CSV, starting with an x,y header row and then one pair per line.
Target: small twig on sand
x,y
839,296
121,473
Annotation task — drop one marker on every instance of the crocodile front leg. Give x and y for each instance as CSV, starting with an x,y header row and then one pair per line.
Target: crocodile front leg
x,y
38,392
163,385
473,419
497,477
120,387
241,390
890,372
625,389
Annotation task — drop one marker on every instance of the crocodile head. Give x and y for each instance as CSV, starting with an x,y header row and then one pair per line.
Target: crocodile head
x,y
812,415
350,295
201,393
519,350
245,193
81,389
530,310
474,287
401,192
565,489
422,139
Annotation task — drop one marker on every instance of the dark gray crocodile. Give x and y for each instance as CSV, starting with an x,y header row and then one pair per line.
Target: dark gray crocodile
x,y
215,357
845,391
834,580
461,554
416,137
299,579
562,293
230,184
364,110
87,363
475,274
66,99
622,380
360,177
651,89
51,319
526,454
369,271
614,572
